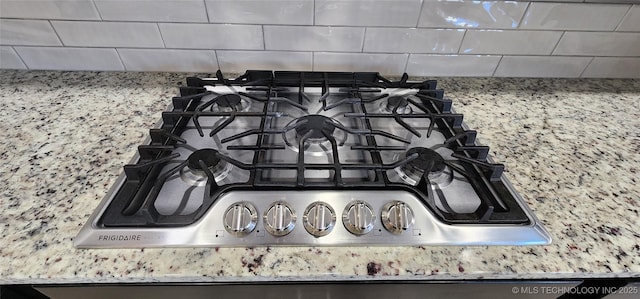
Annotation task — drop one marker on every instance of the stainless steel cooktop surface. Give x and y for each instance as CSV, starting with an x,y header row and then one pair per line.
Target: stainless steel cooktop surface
x,y
311,159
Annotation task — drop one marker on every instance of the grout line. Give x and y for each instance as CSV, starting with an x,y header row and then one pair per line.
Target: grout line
x,y
420,13
56,32
439,28
523,16
323,51
406,63
364,38
335,52
161,37
313,14
264,39
97,10
623,17
20,57
621,31
497,65
124,67
586,67
215,53
557,43
313,60
206,11
464,34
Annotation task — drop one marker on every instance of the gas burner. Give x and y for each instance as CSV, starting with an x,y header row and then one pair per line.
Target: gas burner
x,y
317,126
194,175
208,156
314,129
396,101
226,103
430,161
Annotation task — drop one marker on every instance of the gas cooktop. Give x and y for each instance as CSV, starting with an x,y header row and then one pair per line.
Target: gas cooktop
x,y
311,159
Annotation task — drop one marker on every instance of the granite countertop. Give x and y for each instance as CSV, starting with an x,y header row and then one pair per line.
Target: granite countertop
x,y
572,149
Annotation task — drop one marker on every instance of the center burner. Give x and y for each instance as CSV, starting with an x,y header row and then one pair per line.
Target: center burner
x,y
314,127
311,159
317,130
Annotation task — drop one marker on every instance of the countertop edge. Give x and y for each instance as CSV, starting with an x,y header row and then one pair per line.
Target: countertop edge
x,y
325,279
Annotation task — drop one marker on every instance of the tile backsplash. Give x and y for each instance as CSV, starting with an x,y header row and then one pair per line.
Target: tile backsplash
x,y
571,38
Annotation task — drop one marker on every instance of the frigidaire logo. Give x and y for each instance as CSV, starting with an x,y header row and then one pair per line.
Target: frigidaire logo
x,y
119,237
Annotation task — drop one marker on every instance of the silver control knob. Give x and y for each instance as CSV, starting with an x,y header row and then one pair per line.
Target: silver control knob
x,y
240,218
358,217
319,218
279,219
397,217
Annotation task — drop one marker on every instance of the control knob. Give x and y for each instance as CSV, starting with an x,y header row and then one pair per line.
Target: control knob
x,y
358,217
279,219
240,218
319,219
397,217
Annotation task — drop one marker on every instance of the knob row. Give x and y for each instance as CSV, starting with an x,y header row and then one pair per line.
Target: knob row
x,y
318,219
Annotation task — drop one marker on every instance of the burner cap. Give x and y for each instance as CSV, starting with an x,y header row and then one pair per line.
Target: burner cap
x,y
398,101
426,158
317,123
207,155
228,100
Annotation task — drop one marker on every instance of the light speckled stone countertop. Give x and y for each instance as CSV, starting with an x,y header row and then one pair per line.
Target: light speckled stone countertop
x,y
572,149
